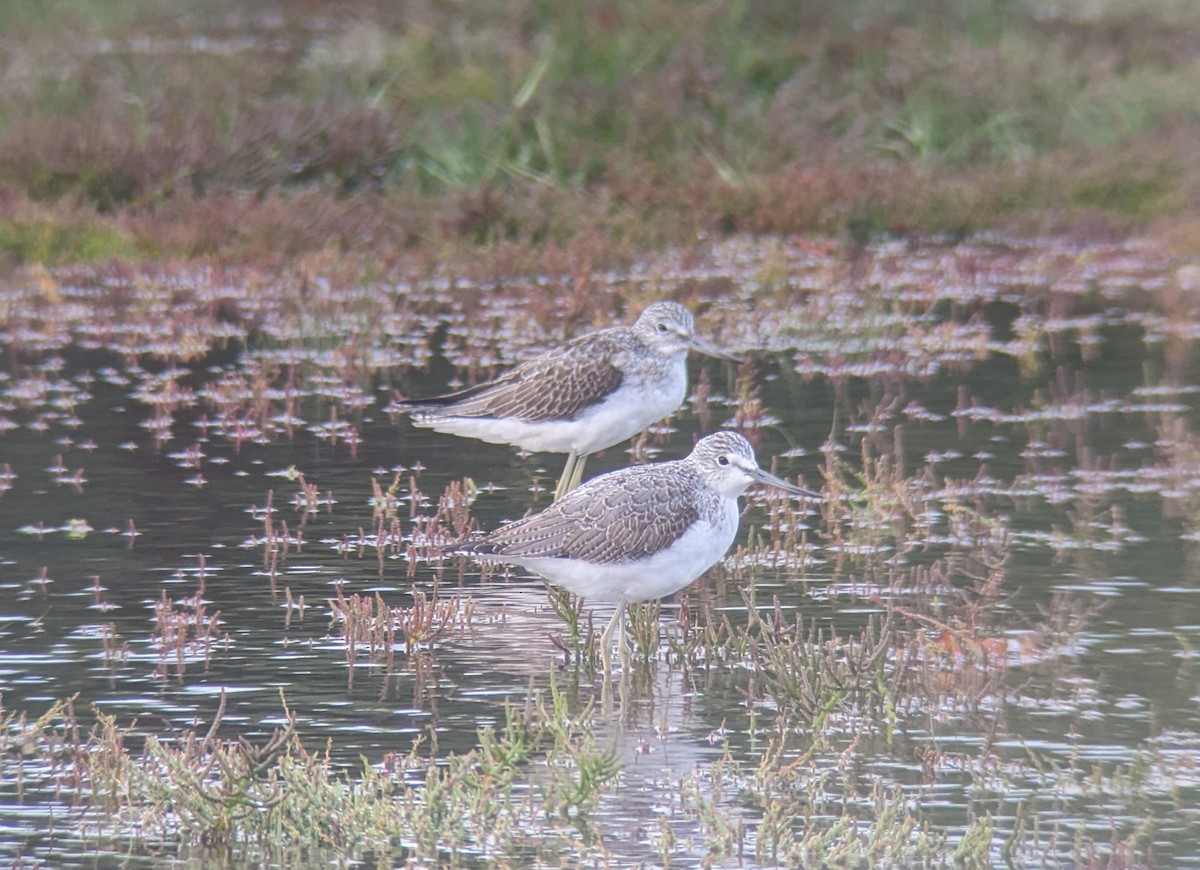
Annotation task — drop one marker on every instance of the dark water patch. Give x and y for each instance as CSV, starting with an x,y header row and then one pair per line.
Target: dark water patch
x,y
195,519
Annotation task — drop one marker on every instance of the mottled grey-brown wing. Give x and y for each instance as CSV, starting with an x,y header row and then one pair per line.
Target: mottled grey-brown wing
x,y
557,385
619,517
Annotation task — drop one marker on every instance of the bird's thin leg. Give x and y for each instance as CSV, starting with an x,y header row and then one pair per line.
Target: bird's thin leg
x,y
606,637
564,482
577,472
623,651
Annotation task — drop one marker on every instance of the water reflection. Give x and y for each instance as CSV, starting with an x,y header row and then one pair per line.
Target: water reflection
x,y
1009,432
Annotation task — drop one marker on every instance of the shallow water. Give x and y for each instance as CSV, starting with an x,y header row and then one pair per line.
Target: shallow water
x,y
1049,388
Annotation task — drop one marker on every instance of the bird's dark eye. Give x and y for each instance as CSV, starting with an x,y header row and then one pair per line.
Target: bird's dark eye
x,y
722,460
662,328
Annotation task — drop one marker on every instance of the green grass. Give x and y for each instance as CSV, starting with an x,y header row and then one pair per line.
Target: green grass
x,y
48,241
19,17
652,120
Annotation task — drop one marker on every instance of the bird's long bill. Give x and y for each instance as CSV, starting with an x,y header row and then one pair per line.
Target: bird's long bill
x,y
701,346
768,479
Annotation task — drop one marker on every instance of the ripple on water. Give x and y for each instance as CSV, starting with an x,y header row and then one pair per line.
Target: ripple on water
x,y
977,412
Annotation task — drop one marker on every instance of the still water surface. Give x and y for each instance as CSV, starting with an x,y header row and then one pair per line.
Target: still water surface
x,y
1052,389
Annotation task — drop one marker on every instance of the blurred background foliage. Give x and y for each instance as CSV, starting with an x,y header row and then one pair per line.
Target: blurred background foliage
x,y
247,130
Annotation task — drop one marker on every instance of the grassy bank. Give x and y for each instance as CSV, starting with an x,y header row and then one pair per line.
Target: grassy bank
x,y
164,128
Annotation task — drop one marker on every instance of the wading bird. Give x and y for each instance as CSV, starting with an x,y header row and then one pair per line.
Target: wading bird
x,y
638,533
590,393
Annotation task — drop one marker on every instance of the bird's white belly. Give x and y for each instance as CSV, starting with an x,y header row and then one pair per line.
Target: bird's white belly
x,y
665,572
552,436
629,410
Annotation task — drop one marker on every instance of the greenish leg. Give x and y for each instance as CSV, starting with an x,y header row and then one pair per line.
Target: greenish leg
x,y
577,473
564,482
623,649
606,638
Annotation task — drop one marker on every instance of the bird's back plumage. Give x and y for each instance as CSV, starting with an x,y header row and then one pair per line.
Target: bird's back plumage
x,y
617,517
556,385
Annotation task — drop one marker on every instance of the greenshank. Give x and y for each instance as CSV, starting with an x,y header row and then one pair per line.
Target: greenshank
x,y
590,393
638,533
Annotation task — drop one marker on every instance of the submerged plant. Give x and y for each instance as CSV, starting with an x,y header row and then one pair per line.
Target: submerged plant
x,y
521,791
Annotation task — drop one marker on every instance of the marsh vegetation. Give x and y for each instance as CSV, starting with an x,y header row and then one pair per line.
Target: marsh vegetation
x,y
235,242
982,629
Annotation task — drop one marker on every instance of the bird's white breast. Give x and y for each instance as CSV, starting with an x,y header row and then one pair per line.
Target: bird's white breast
x,y
663,573
636,404
644,397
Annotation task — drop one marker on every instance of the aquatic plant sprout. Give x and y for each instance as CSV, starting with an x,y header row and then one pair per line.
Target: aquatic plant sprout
x,y
207,497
